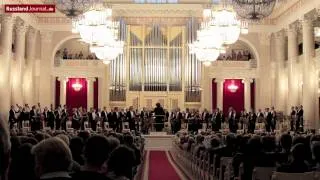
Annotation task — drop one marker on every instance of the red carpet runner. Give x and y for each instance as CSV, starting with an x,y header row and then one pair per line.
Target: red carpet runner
x,y
160,167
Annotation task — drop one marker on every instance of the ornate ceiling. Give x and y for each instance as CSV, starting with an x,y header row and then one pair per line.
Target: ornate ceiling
x,y
166,13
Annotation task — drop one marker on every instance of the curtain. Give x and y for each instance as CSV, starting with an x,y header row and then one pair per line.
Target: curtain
x,y
214,94
75,98
57,93
252,95
96,94
233,99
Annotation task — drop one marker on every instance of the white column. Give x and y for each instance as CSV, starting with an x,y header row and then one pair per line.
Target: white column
x,y
5,60
219,82
45,89
309,88
29,75
19,65
293,83
247,93
63,90
280,57
90,92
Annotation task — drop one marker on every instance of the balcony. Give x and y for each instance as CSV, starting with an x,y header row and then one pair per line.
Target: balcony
x,y
252,63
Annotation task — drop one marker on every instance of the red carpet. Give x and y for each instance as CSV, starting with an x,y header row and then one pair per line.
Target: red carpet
x,y
160,167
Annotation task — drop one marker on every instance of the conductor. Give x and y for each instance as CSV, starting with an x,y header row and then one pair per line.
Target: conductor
x,y
159,117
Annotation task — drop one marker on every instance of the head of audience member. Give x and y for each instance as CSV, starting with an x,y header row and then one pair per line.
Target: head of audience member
x,y
22,163
158,105
316,152
268,143
230,140
113,143
5,147
96,153
128,139
51,155
199,139
116,165
298,152
64,138
286,142
76,147
254,145
214,142
299,139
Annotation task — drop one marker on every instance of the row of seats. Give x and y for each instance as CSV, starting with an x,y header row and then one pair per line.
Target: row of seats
x,y
200,168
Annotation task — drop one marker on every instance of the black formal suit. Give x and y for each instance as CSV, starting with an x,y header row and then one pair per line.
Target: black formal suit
x,y
216,121
92,120
293,119
104,116
252,122
57,114
117,119
299,122
269,121
131,119
51,119
12,118
64,118
178,121
232,122
159,113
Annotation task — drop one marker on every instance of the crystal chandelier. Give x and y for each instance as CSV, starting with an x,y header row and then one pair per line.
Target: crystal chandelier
x,y
95,22
71,8
253,9
77,86
108,52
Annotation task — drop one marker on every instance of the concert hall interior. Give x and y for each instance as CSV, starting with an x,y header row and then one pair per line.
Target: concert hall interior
x,y
162,72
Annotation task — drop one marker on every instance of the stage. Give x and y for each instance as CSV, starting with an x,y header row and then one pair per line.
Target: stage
x,y
158,141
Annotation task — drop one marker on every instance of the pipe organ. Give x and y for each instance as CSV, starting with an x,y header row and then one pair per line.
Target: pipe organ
x,y
156,60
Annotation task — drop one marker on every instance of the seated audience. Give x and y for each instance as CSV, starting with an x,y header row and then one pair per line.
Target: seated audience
x,y
121,163
298,162
52,159
96,154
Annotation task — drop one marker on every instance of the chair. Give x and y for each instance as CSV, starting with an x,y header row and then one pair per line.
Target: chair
x,y
99,129
86,126
293,176
125,126
26,125
106,126
225,166
262,173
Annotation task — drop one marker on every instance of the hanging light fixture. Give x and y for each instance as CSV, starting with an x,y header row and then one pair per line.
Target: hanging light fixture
x,y
253,9
108,52
71,8
77,86
232,87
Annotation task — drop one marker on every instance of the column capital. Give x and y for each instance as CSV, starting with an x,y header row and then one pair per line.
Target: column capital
x,y
91,79
247,80
63,78
7,19
46,36
294,27
219,80
31,33
280,34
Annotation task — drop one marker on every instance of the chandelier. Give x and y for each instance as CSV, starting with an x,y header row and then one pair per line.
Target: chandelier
x,y
253,9
95,22
232,87
77,86
71,8
108,52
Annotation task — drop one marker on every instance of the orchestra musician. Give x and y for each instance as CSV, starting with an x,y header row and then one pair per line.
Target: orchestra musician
x,y
173,121
159,117
76,117
64,118
252,122
293,118
131,118
205,118
273,119
299,122
232,120
145,121
92,116
268,117
104,116
12,117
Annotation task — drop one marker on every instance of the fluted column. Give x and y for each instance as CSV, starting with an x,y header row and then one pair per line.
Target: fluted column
x,y
19,64
280,57
29,75
293,83
90,92
309,88
5,61
45,89
247,93
219,82
63,90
